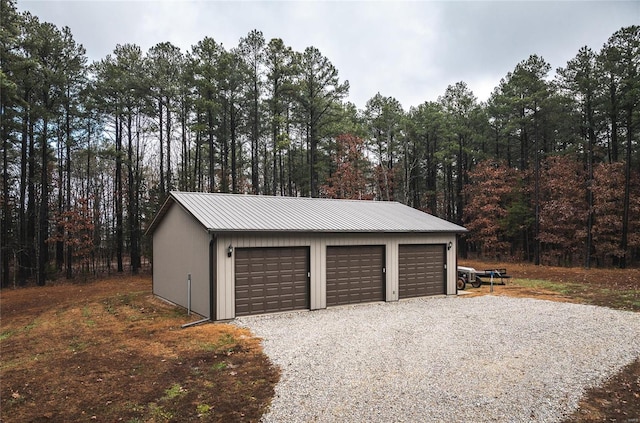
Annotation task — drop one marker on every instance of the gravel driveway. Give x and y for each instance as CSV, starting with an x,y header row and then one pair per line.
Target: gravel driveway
x,y
486,358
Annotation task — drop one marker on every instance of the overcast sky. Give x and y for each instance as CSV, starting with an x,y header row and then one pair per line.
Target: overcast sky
x,y
408,50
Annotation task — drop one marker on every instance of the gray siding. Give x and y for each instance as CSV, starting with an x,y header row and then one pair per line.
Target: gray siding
x,y
181,247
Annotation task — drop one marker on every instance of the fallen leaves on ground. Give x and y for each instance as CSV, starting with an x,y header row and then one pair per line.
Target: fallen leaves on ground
x,y
110,351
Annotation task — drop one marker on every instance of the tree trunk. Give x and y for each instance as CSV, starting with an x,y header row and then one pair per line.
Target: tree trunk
x,y
274,187
136,234
22,213
275,131
169,175
131,217
43,218
591,140
118,189
68,188
160,144
255,128
96,199
224,149
537,158
613,116
627,191
234,149
29,248
212,152
432,173
197,165
60,210
184,179
460,164
313,159
6,221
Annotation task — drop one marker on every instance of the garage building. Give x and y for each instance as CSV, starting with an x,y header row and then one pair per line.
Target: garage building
x,y
228,255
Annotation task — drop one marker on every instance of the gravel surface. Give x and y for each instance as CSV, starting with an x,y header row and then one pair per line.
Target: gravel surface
x,y
479,359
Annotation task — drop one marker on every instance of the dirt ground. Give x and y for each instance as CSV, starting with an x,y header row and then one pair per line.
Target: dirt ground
x,y
109,351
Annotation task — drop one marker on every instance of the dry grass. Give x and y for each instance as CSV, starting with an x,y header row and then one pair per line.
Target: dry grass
x,y
110,351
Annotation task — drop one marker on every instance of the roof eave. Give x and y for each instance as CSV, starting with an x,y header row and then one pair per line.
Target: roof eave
x,y
333,231
160,215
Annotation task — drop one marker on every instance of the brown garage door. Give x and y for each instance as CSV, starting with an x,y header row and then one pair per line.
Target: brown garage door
x,y
271,279
422,270
355,274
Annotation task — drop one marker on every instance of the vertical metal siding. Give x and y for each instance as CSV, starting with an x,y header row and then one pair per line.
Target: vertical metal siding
x,y
391,270
181,247
317,244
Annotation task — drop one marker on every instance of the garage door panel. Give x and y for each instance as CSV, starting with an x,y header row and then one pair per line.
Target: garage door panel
x,y
271,279
355,274
286,292
421,270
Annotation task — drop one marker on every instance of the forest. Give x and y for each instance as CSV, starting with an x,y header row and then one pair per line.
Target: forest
x,y
547,170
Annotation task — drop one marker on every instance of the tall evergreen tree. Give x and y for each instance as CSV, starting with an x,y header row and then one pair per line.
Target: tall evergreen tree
x,y
524,94
384,117
251,48
319,89
427,132
581,81
205,56
10,61
459,105
43,45
622,53
280,70
165,62
231,80
73,83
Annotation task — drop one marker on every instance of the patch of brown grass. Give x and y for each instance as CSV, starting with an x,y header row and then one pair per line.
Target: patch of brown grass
x,y
110,351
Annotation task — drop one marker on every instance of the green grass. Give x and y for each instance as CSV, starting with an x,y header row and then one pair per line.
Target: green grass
x,y
221,365
542,284
158,413
86,313
203,410
224,344
588,294
174,391
633,297
30,326
77,345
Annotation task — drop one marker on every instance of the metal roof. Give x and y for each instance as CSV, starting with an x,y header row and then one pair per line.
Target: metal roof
x,y
257,213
